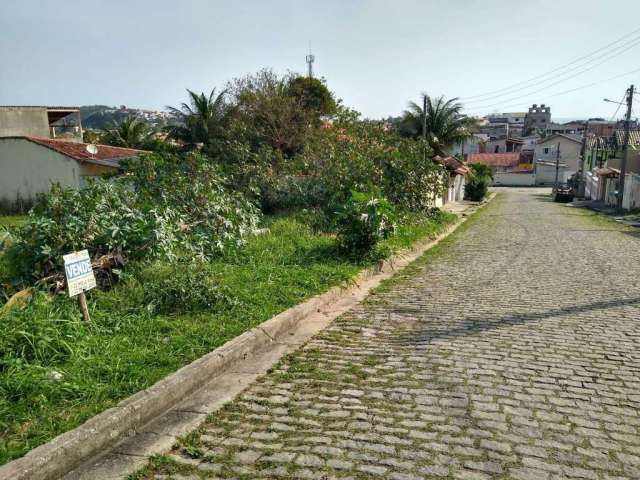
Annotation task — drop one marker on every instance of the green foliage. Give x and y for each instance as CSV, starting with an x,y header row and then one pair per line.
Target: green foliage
x,y
165,206
202,120
445,122
477,185
266,113
366,219
314,94
129,133
179,287
356,155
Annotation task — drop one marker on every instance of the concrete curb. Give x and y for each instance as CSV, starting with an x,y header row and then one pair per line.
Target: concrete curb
x,y
70,449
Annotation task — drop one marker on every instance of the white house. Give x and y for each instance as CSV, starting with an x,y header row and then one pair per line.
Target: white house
x,y
29,165
565,149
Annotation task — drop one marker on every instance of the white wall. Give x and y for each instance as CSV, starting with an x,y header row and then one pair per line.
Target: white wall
x,y
546,174
513,179
27,168
569,152
631,200
591,186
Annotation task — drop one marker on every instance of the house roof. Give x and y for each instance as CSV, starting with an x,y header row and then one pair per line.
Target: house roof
x,y
607,172
105,155
495,159
452,164
634,137
551,137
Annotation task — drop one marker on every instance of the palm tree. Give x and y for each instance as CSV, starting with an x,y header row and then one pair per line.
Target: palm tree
x,y
129,133
200,120
445,122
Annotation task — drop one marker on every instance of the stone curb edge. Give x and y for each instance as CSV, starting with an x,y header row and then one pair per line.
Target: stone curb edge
x,y
67,451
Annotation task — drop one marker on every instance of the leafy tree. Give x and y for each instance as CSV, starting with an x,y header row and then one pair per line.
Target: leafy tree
x,y
446,124
201,120
129,133
314,94
266,113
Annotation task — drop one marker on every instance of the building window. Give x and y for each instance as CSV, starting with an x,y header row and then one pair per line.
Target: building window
x,y
546,150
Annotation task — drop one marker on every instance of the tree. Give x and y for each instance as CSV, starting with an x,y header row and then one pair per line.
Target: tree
x,y
267,113
314,94
129,133
446,124
201,120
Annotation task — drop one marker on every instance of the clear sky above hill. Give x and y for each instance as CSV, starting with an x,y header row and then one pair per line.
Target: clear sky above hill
x,y
375,54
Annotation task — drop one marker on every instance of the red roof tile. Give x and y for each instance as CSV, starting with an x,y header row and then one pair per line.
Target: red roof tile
x,y
78,151
495,159
452,164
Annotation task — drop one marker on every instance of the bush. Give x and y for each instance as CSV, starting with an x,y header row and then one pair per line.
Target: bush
x,y
165,206
366,219
478,183
178,287
357,155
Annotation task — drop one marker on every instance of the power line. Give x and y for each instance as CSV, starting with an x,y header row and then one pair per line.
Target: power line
x,y
618,109
578,88
562,67
608,56
482,107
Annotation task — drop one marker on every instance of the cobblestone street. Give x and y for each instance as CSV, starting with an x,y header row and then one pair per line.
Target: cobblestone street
x,y
509,352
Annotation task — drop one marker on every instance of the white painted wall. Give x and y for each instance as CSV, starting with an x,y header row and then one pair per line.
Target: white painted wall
x,y
513,179
27,169
591,186
569,152
456,189
631,200
546,174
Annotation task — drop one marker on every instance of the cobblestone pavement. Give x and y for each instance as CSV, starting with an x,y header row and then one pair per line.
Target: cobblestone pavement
x,y
511,352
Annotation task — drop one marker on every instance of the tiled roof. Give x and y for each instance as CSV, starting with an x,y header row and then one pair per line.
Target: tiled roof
x,y
634,137
452,164
495,159
78,151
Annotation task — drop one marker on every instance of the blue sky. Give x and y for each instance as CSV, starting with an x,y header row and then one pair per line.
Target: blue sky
x,y
376,55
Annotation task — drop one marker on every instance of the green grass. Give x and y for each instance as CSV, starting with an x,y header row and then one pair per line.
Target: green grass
x,y
12,220
56,371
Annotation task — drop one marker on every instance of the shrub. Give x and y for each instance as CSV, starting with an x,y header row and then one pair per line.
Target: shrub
x,y
477,185
165,206
364,220
178,287
357,155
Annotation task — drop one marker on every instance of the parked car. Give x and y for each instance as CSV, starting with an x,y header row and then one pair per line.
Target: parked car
x,y
563,193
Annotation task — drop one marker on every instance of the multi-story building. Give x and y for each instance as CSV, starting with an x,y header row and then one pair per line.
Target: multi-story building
x,y
43,122
537,119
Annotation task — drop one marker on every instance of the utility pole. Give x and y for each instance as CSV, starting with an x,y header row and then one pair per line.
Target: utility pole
x,y
583,152
424,126
625,148
555,187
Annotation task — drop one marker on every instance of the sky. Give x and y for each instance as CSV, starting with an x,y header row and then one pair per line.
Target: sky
x,y
376,55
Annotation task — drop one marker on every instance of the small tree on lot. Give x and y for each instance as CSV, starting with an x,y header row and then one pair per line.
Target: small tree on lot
x,y
477,185
365,219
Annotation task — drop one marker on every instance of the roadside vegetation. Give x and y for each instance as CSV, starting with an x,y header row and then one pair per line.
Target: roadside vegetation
x,y
267,192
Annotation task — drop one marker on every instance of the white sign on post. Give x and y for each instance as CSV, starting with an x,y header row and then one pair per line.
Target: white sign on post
x,y
77,268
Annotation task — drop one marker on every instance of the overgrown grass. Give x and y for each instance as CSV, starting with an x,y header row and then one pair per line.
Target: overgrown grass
x,y
12,220
56,371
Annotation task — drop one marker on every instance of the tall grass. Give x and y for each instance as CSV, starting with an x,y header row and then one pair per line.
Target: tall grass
x,y
57,371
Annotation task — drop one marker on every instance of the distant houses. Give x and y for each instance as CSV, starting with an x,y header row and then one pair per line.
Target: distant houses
x,y
601,169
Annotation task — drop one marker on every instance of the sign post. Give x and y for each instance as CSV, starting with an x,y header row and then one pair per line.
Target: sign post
x,y
80,278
